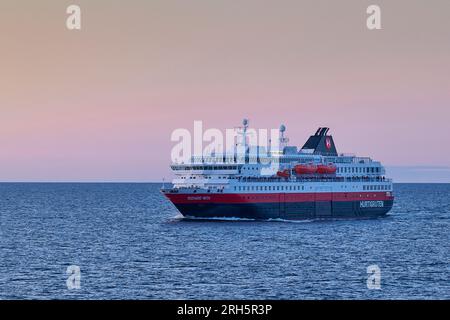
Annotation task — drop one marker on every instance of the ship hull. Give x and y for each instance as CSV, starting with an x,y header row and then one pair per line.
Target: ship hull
x,y
286,210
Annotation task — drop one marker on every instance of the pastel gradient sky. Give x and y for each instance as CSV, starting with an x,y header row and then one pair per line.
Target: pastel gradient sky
x,y
100,104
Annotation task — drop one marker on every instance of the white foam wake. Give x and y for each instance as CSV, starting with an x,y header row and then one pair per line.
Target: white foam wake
x,y
181,217
219,218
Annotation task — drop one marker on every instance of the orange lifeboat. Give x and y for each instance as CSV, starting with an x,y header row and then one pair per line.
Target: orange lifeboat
x,y
283,174
326,168
305,168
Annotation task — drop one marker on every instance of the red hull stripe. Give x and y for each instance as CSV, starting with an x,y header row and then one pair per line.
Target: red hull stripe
x,y
178,198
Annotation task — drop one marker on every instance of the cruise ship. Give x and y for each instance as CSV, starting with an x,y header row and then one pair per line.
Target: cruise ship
x,y
313,182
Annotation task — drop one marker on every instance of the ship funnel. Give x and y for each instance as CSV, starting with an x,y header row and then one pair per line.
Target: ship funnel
x,y
321,143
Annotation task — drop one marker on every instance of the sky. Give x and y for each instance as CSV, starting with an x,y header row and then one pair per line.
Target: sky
x,y
100,103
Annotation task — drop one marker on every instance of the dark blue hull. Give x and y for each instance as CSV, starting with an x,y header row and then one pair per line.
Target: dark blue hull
x,y
286,211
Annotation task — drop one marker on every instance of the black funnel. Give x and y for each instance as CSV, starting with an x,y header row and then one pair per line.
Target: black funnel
x,y
321,143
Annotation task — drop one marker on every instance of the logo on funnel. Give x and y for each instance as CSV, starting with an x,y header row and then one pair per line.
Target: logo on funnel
x,y
328,143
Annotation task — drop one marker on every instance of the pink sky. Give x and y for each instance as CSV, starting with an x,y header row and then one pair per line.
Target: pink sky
x,y
100,104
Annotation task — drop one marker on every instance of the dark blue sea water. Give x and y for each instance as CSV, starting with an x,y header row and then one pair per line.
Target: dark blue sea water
x,y
130,243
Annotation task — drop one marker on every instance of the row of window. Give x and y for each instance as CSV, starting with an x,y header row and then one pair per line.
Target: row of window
x,y
230,167
210,177
358,170
259,197
377,187
269,188
294,188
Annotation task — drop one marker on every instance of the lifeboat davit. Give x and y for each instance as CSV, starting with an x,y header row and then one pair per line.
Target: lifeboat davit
x,y
305,168
284,174
326,168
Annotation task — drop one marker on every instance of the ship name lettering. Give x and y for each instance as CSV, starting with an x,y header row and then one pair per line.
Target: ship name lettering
x,y
199,198
371,204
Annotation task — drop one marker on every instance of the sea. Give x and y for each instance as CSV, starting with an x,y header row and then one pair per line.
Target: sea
x,y
126,241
